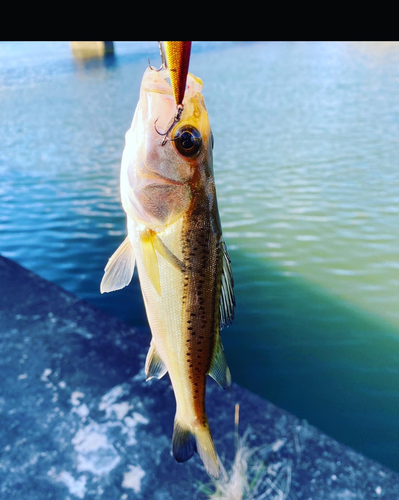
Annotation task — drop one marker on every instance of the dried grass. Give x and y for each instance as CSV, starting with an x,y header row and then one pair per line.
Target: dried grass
x,y
251,476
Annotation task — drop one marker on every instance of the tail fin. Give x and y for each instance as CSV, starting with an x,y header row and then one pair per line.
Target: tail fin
x,y
186,441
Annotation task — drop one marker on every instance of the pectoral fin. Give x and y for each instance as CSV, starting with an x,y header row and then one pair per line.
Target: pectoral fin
x,y
150,258
120,268
154,366
219,370
164,251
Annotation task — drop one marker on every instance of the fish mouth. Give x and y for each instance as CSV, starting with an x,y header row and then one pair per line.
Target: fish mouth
x,y
158,81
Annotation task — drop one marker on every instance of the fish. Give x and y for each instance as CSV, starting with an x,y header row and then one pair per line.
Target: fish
x,y
174,239
178,60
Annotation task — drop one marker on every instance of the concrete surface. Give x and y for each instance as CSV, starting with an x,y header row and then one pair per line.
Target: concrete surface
x,y
78,419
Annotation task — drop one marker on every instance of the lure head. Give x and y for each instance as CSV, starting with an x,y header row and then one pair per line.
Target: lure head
x,y
160,171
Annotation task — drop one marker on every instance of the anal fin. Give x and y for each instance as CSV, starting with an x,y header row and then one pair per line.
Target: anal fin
x,y
120,268
154,366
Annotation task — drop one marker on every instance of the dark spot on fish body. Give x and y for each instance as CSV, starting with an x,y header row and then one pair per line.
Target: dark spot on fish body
x,y
200,308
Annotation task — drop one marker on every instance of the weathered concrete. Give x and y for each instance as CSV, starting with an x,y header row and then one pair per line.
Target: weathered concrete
x,y
79,421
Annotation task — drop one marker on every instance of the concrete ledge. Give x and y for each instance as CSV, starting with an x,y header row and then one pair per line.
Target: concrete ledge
x,y
78,419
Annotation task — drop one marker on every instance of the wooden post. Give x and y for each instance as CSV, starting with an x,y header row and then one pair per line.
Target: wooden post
x,y
83,50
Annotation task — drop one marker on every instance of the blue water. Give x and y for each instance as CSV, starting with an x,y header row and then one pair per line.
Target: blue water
x,y
306,166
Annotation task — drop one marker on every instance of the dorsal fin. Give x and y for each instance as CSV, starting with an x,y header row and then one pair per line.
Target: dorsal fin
x,y
154,366
120,268
227,299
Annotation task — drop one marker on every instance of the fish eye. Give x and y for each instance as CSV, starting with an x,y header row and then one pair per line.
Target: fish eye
x,y
187,141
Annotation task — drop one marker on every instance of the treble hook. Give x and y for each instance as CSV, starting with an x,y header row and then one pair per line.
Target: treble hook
x,y
179,111
164,64
179,108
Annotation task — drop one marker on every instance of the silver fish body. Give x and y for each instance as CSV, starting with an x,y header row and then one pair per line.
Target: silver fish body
x,y
175,240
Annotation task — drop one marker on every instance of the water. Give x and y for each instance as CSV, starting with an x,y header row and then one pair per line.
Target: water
x,y
306,165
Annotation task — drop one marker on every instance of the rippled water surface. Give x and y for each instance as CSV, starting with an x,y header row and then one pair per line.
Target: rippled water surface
x,y
306,166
